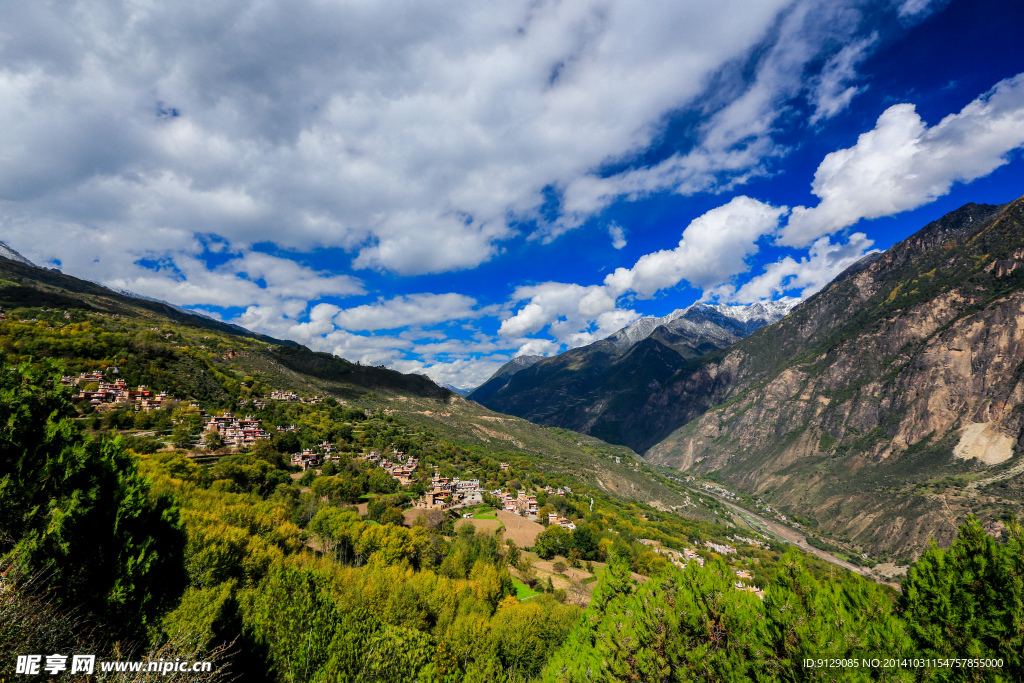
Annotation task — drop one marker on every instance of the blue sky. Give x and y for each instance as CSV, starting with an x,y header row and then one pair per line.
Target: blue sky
x,y
439,187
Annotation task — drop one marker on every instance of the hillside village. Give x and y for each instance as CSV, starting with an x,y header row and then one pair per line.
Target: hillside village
x,y
453,494
444,494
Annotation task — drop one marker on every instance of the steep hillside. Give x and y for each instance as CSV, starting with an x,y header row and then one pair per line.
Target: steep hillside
x,y
500,379
889,405
606,388
89,327
24,285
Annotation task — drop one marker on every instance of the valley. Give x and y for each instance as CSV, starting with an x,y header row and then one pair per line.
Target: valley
x,y
823,444
886,408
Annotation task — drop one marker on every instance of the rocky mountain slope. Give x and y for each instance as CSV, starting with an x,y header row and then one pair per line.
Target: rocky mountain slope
x,y
501,378
606,388
718,322
11,254
888,406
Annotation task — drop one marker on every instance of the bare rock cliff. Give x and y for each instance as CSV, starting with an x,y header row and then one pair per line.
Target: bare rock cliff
x,y
891,404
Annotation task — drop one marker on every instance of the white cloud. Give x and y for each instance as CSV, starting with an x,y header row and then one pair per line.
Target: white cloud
x,y
286,278
916,8
714,248
832,91
902,163
618,236
740,114
186,280
570,312
404,311
410,134
367,349
537,347
806,275
413,137
464,374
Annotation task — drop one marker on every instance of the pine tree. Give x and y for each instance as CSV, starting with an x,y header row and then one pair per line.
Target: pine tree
x,y
78,510
968,601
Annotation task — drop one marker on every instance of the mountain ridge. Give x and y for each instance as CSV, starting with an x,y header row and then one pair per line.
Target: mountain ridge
x,y
594,389
897,383
742,316
85,325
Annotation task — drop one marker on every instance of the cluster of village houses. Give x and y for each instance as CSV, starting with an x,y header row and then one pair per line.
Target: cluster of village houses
x,y
720,548
445,492
451,493
292,396
718,490
142,397
117,391
525,505
235,431
402,471
743,574
681,558
313,457
749,541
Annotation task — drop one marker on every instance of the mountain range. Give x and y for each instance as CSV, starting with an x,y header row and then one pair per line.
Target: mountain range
x,y
882,410
599,389
888,406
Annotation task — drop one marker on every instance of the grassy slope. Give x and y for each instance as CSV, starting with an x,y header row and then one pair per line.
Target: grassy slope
x,y
194,357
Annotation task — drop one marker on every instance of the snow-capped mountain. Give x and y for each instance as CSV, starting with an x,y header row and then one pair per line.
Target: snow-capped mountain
x,y
571,383
710,320
516,364
7,252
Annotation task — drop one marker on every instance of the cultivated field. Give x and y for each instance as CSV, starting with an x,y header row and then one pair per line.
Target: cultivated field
x,y
520,530
488,525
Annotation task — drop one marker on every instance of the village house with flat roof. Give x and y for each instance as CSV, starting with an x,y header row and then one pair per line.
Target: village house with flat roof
x,y
235,431
284,395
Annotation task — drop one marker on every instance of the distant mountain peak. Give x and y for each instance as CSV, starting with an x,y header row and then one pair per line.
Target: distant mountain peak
x,y
515,365
499,379
744,318
8,253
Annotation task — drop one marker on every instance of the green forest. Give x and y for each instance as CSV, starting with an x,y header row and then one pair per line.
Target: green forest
x,y
123,546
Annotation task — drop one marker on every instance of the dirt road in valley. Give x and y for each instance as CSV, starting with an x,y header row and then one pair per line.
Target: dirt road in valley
x,y
798,539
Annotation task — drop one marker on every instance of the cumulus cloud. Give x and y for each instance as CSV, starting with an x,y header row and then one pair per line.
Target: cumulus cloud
x,y
714,248
805,275
916,9
415,136
573,314
538,347
404,311
902,163
365,348
740,113
410,138
253,278
463,374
